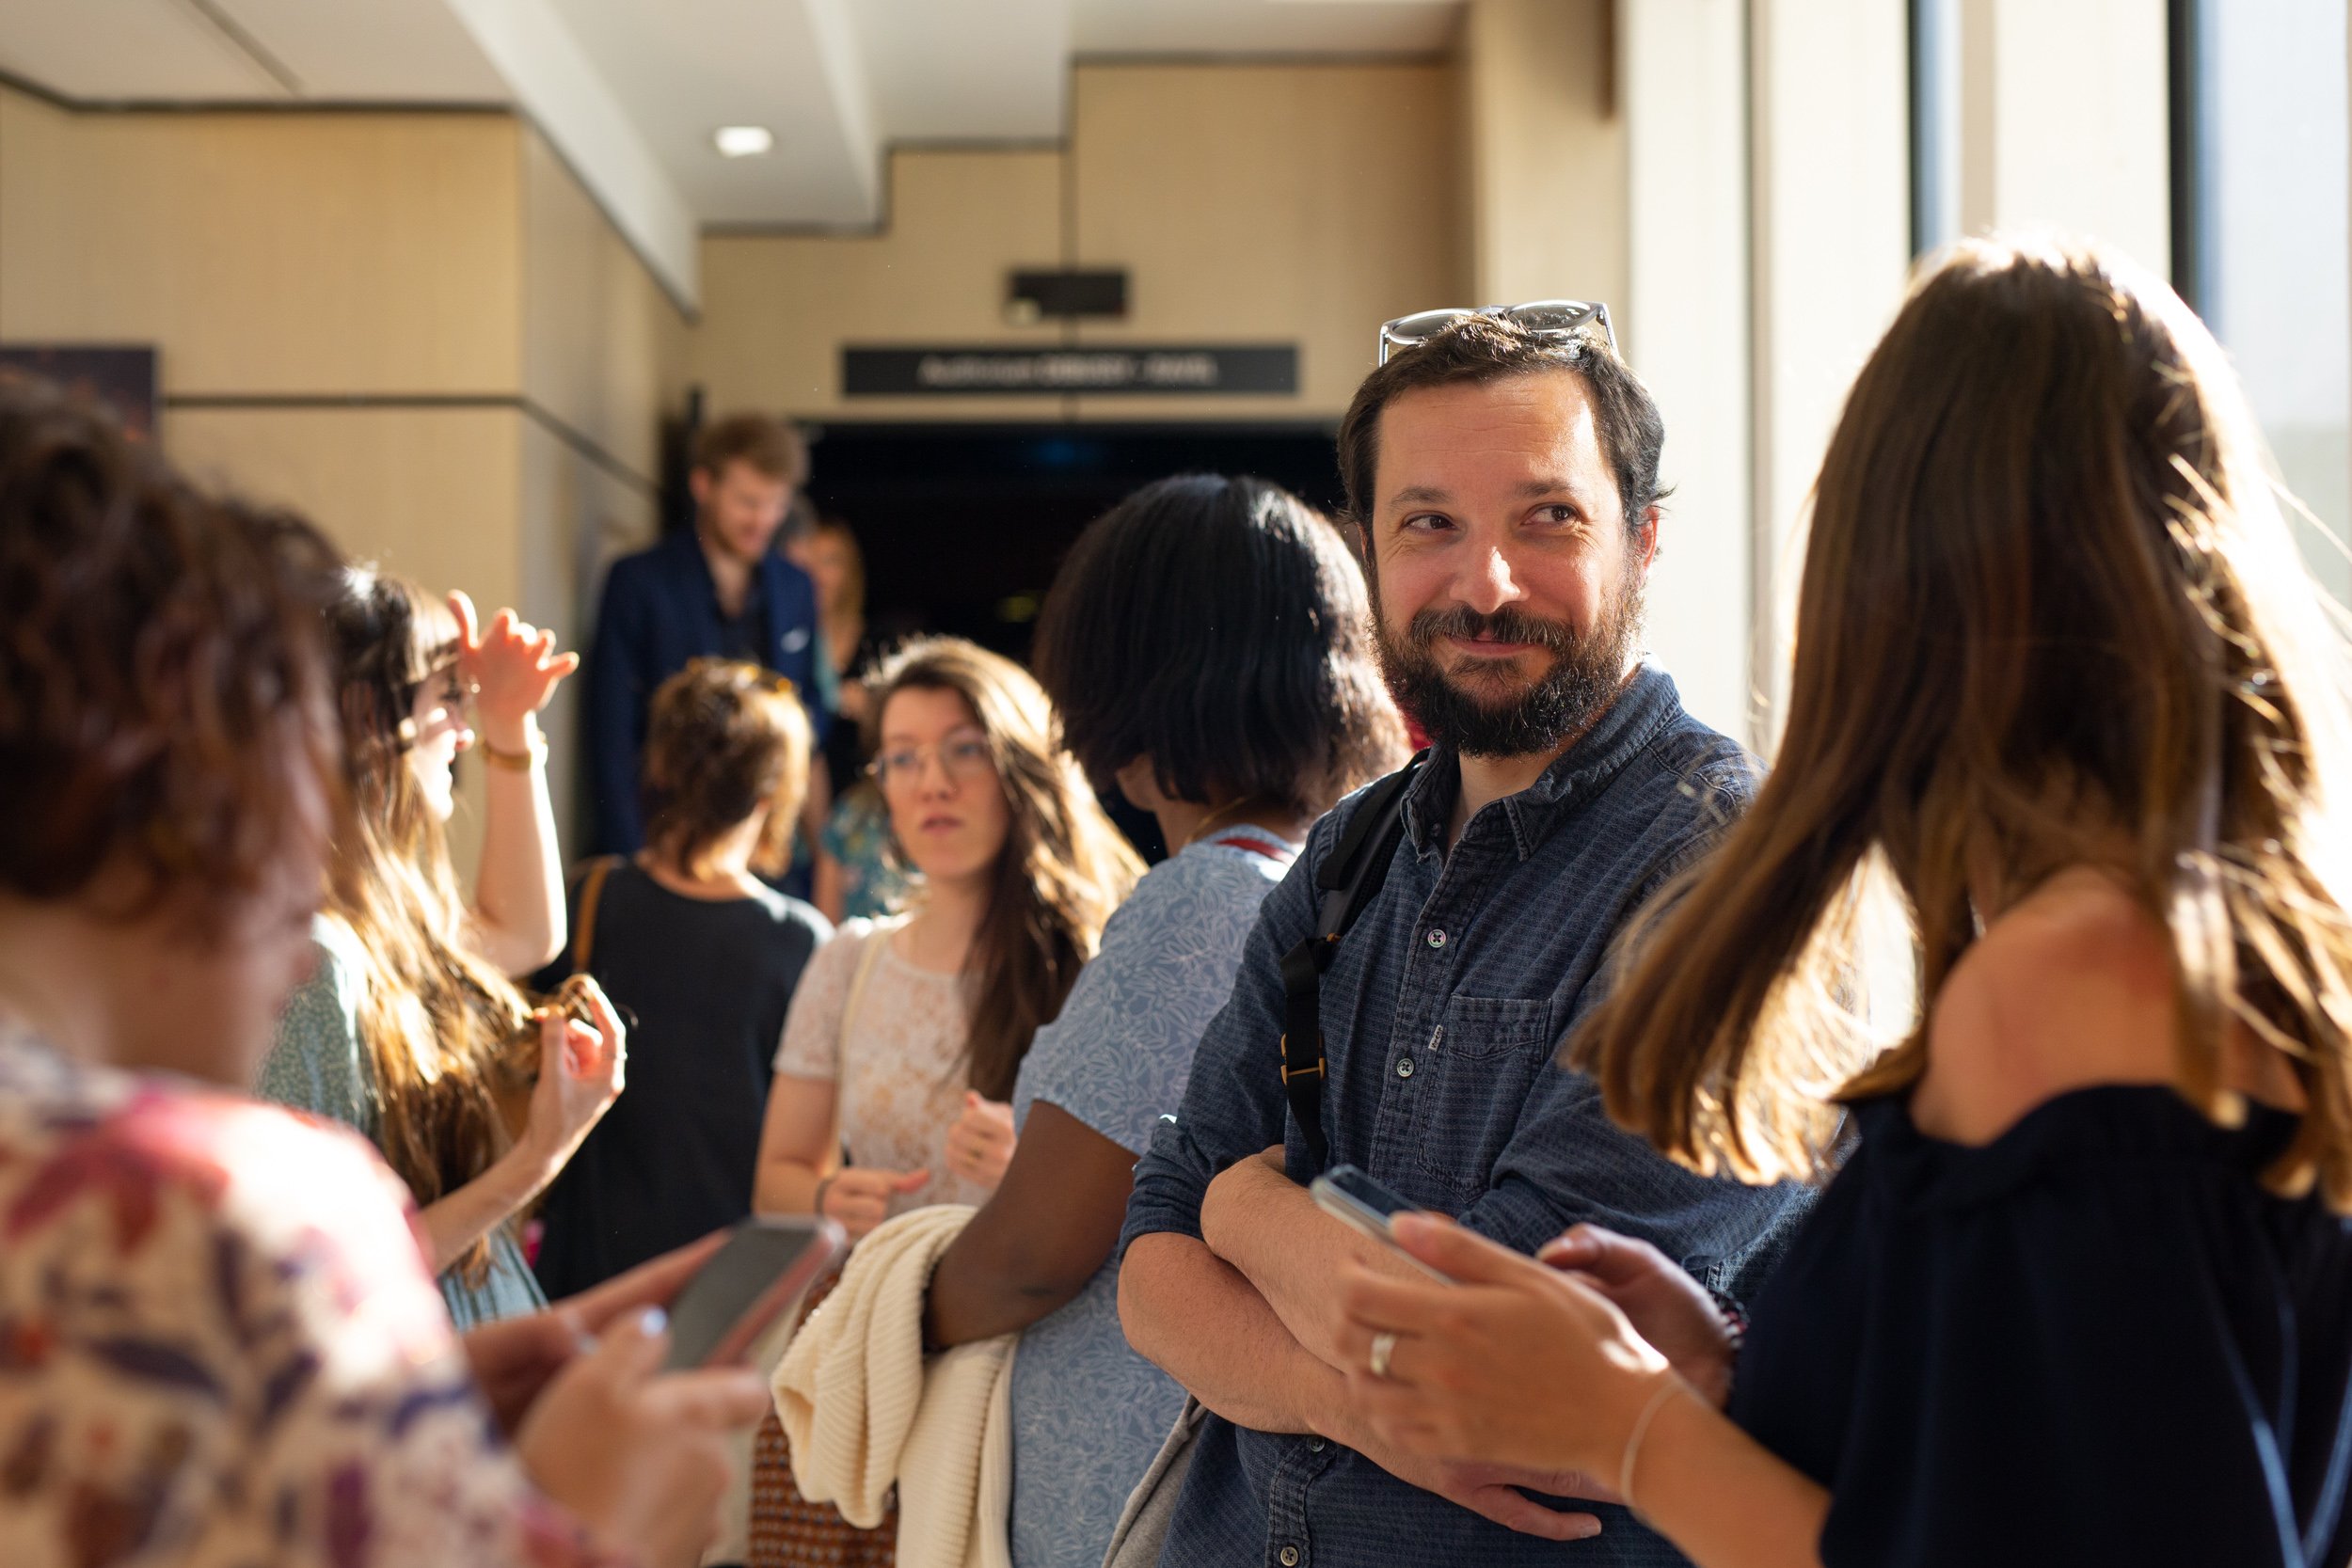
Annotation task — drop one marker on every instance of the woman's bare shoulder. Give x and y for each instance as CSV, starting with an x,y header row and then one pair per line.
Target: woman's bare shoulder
x,y
2069,987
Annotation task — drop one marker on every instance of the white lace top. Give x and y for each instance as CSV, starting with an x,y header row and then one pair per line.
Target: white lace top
x,y
900,1068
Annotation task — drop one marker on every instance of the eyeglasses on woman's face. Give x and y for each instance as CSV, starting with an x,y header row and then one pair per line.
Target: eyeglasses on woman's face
x,y
436,704
963,756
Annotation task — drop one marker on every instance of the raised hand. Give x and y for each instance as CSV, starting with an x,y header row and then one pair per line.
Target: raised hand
x,y
512,668
981,1144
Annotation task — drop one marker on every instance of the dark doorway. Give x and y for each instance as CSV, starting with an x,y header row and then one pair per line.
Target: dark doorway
x,y
963,526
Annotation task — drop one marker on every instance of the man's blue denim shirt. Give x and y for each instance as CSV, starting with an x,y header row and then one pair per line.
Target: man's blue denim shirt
x,y
1441,1013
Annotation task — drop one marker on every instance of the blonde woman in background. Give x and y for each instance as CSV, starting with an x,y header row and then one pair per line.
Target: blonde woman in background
x,y
857,876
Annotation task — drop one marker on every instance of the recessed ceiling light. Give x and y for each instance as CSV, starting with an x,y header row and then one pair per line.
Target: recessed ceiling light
x,y
743,141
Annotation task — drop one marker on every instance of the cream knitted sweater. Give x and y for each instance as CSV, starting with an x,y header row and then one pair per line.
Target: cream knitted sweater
x,y
863,1410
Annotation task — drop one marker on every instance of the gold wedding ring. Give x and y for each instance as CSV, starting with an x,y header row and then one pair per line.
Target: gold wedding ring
x,y
1383,1346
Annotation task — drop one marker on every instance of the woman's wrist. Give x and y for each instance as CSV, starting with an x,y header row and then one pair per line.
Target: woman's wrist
x,y
817,1198
509,733
528,1167
1665,1388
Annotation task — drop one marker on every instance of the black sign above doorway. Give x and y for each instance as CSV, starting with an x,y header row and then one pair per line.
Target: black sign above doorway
x,y
1181,369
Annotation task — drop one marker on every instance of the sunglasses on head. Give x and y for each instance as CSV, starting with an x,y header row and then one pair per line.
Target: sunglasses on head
x,y
1542,318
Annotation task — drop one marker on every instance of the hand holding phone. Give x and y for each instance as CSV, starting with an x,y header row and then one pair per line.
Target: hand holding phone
x,y
1347,1194
764,1267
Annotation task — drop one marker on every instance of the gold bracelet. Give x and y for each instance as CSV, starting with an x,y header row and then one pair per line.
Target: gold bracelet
x,y
515,762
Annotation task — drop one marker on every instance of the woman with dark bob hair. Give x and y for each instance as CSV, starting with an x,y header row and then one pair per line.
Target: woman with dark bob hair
x,y
1208,644
2067,706
223,1345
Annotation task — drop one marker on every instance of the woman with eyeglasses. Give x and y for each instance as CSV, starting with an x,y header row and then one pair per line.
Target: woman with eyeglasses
x,y
903,1042
410,1028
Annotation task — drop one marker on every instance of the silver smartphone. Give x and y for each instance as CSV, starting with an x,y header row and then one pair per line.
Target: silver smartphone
x,y
1347,1194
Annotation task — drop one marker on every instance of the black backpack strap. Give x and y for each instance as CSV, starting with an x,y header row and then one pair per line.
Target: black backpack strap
x,y
1350,877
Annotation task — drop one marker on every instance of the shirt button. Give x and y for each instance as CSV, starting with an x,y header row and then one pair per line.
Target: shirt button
x,y
1437,939
1290,1556
1404,1067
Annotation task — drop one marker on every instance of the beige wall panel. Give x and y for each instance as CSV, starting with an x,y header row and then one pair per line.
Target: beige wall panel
x,y
1547,151
776,308
430,493
268,253
1273,205
603,346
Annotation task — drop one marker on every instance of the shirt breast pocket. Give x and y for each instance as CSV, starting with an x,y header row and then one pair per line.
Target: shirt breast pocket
x,y
1475,1081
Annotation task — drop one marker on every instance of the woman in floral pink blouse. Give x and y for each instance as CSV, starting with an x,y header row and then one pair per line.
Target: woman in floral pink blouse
x,y
220,1343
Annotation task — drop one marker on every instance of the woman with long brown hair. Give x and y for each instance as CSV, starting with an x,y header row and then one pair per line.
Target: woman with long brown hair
x,y
410,1028
906,1035
2067,704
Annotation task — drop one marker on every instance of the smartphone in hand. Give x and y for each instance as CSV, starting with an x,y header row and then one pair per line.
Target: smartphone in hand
x,y
764,1267
1347,1194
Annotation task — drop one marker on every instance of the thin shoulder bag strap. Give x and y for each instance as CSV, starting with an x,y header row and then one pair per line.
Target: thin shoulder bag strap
x,y
867,959
591,893
1350,877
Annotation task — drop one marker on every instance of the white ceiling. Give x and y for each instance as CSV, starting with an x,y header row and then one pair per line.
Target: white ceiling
x,y
630,91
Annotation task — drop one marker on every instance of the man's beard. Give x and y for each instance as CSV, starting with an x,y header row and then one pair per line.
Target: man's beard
x,y
1488,713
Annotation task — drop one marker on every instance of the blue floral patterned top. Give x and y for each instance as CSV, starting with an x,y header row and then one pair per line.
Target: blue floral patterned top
x,y
857,835
1088,1412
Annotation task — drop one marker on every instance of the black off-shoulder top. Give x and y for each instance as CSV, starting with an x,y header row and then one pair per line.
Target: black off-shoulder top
x,y
2097,1340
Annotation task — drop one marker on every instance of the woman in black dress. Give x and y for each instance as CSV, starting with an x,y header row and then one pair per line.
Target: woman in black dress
x,y
2065,702
705,956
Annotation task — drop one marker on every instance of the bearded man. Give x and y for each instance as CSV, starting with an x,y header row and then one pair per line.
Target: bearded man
x,y
1501,470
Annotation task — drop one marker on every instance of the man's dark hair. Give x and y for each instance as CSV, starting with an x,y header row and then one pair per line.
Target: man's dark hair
x,y
1218,626
1482,349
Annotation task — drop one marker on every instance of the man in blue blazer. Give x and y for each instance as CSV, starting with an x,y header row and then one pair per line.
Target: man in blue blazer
x,y
720,589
